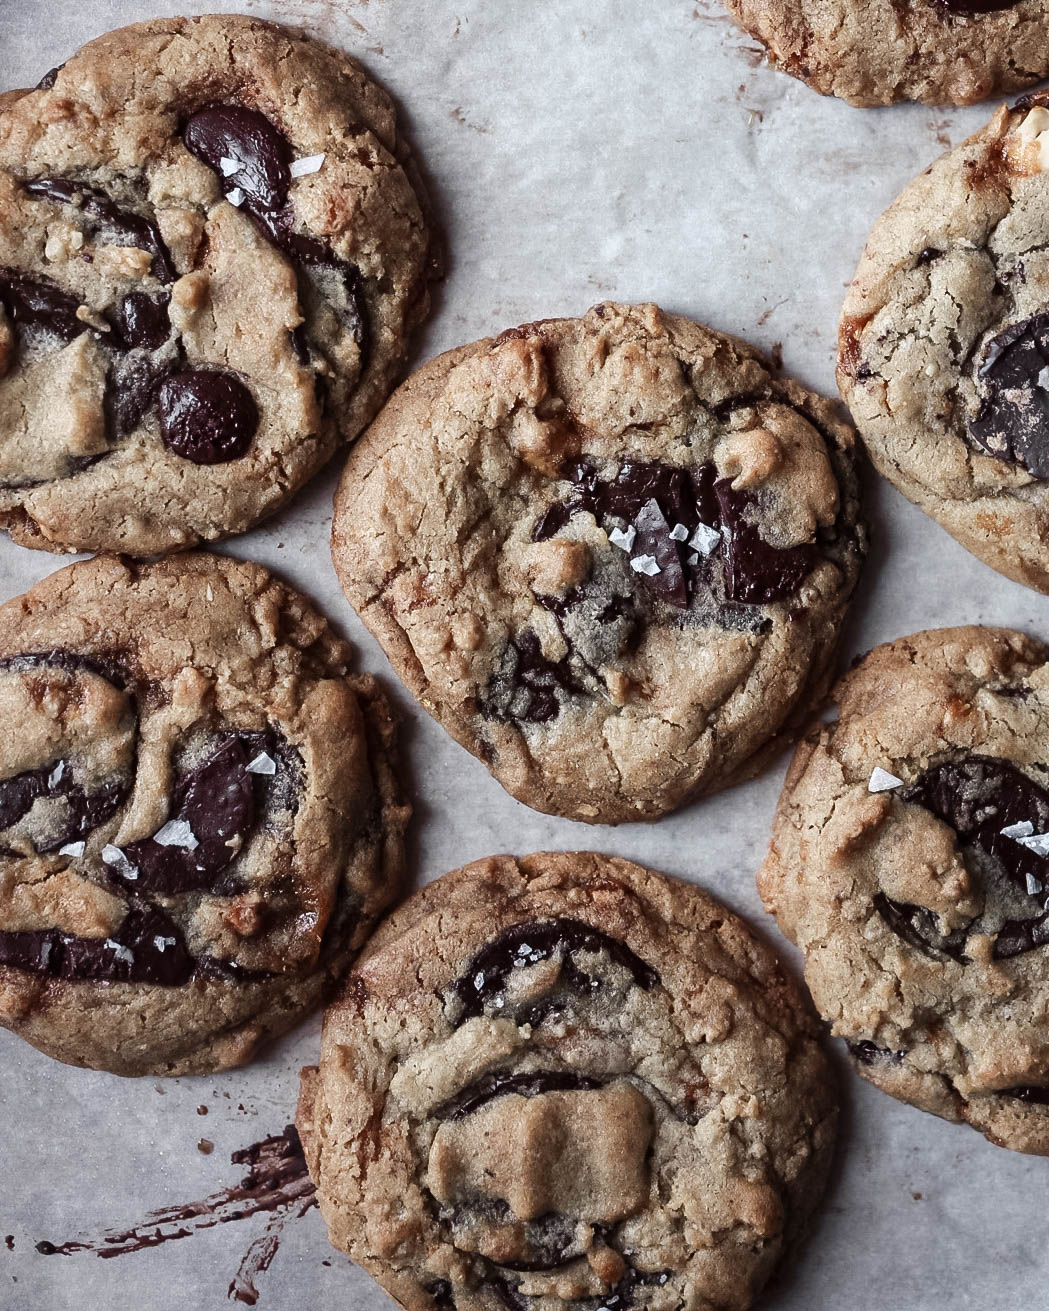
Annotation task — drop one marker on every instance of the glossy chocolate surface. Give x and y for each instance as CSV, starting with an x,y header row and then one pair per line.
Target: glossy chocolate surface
x,y
206,416
1012,423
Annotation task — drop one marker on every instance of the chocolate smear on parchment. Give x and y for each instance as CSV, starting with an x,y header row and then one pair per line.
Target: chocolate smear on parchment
x,y
277,1181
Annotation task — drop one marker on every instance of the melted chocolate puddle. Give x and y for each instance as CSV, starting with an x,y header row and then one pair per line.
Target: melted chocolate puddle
x,y
277,1182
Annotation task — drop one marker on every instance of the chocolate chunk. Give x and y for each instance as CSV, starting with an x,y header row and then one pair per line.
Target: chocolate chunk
x,y
525,687
1012,422
217,800
83,810
756,572
132,390
975,6
919,927
501,1084
114,224
262,151
206,416
49,78
527,944
147,948
867,1053
1017,936
140,321
927,256
654,498
441,1292
36,303
1036,1096
17,794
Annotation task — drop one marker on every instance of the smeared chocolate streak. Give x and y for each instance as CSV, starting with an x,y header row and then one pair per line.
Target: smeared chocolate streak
x,y
277,1182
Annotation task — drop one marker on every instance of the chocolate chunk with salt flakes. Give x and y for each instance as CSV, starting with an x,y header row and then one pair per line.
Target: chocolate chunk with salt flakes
x,y
502,1084
654,538
147,948
220,135
216,804
524,945
1012,422
35,303
111,223
206,416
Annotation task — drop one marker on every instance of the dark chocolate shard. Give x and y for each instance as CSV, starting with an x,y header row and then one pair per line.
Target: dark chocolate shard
x,y
49,78
1012,423
502,1084
527,944
1017,936
920,928
206,416
35,303
974,6
217,801
147,948
140,321
111,222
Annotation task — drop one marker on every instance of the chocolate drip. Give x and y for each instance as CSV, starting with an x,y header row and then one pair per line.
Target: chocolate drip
x,y
147,948
217,800
527,944
264,154
35,303
121,227
502,1084
1012,423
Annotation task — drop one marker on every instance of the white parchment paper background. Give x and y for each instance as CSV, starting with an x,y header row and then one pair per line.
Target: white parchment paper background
x,y
579,150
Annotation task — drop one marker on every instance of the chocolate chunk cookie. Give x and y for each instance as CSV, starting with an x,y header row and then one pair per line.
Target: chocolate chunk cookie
x,y
199,816
611,555
944,343
910,863
945,52
566,1081
212,251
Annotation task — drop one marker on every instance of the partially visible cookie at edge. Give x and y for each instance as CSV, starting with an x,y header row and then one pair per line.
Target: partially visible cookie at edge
x,y
213,249
200,815
942,52
566,1080
611,555
944,343
910,863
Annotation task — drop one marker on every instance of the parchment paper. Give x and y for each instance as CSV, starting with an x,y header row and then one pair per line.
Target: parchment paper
x,y
578,150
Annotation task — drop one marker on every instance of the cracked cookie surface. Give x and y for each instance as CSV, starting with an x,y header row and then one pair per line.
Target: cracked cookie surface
x,y
200,817
212,251
944,343
943,52
567,1081
910,863
610,555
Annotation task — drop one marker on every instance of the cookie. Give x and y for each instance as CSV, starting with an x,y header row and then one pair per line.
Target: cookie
x,y
212,252
199,814
910,863
944,52
610,555
944,343
567,1081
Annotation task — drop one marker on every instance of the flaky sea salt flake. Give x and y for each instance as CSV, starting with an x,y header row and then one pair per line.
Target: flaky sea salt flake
x,y
705,539
72,849
121,952
679,533
1038,843
882,781
645,564
235,197
229,166
1034,886
310,164
262,764
177,833
1023,829
624,540
113,856
55,777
